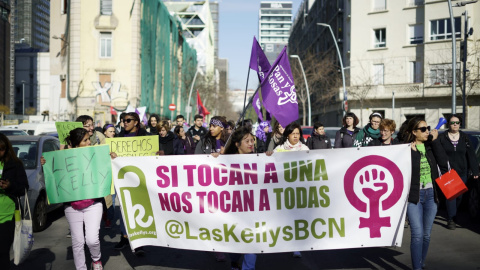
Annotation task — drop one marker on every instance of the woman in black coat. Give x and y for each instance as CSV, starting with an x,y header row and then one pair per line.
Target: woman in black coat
x,y
461,156
165,137
345,136
13,184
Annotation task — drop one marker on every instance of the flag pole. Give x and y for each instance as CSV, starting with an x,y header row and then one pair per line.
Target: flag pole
x,y
246,89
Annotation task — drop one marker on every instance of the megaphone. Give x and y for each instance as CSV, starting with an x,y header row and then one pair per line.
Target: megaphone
x,y
442,121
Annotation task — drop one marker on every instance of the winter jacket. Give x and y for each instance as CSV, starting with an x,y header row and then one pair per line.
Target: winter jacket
x,y
166,143
14,172
183,147
462,158
140,132
379,142
318,142
97,138
435,156
200,132
343,139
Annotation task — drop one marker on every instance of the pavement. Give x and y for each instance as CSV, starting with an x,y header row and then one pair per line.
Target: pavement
x,y
449,249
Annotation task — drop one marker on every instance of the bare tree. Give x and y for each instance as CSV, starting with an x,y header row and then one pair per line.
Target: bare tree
x,y
322,77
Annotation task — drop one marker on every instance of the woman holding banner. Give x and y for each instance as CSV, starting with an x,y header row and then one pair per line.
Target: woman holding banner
x,y
292,142
461,156
132,128
165,137
242,141
369,132
13,184
215,139
427,154
84,213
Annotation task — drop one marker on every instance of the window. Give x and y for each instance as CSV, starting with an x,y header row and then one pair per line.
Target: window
x,y
380,39
412,3
379,5
416,34
378,74
441,74
105,45
415,72
441,29
63,6
105,7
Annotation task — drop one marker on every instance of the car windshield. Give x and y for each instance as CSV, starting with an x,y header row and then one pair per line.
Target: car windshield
x,y
307,130
13,132
26,152
331,133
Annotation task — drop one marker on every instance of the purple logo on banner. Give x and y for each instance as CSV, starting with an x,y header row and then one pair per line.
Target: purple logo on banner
x,y
278,91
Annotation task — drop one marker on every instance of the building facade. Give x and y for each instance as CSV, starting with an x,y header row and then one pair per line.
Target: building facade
x,y
274,23
32,23
6,53
95,58
398,59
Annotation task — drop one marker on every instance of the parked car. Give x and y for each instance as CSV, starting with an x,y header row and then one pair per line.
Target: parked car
x,y
12,131
329,131
472,197
29,149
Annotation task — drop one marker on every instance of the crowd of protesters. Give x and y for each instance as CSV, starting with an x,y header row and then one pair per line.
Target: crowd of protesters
x,y
431,154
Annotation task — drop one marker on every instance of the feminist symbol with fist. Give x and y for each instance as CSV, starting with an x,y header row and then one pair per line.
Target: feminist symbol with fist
x,y
370,177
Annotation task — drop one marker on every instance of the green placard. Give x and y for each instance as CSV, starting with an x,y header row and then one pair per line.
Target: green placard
x,y
134,146
78,174
63,129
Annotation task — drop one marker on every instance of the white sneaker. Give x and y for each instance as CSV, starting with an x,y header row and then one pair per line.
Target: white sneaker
x,y
297,254
97,265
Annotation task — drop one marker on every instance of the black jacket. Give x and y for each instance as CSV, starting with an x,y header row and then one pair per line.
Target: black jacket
x,y
462,158
318,142
166,143
140,132
14,172
200,132
435,156
379,142
345,140
183,147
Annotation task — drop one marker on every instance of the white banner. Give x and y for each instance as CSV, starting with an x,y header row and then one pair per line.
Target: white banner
x,y
291,201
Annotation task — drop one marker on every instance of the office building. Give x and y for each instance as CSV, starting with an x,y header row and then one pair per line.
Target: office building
x,y
274,23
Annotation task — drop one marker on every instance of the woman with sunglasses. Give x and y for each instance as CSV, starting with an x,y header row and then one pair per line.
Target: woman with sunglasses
x,y
461,156
13,183
426,153
132,128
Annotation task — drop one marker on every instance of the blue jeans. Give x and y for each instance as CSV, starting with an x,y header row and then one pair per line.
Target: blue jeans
x,y
421,217
452,205
111,210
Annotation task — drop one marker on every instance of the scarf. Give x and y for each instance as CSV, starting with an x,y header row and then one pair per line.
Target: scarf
x,y
366,135
277,138
289,147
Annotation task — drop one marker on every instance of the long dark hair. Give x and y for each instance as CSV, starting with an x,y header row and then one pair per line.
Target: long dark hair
x,y
237,137
355,119
411,126
289,130
450,119
137,118
75,137
9,153
153,115
212,141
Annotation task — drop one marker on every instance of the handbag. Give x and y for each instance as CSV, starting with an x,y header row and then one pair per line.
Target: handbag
x,y
451,184
23,238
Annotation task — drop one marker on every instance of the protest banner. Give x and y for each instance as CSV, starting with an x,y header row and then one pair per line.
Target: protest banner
x,y
77,174
63,129
290,201
134,146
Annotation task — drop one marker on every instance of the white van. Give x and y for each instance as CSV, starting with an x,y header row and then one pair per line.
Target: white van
x,y
38,128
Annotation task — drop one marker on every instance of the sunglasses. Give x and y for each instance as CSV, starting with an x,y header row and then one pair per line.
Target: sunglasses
x,y
455,123
128,120
423,129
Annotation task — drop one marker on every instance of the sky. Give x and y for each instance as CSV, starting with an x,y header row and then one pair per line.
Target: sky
x,y
238,23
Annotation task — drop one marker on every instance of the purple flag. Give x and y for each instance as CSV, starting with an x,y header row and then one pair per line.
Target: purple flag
x,y
258,60
257,105
278,91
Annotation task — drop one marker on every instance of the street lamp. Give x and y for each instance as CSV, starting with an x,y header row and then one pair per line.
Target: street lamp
x,y
454,50
23,97
341,67
189,108
308,92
